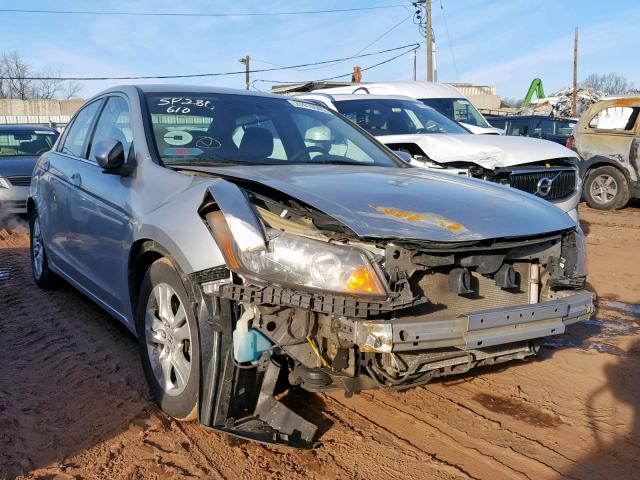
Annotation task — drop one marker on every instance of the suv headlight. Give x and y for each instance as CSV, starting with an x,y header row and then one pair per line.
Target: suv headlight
x,y
294,260
4,183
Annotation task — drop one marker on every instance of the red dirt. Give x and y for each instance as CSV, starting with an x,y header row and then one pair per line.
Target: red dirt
x,y
74,404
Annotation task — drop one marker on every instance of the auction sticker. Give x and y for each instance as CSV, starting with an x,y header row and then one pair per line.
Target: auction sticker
x,y
182,152
177,137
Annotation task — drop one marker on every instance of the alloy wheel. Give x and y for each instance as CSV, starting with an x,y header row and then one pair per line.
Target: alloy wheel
x,y
168,339
603,188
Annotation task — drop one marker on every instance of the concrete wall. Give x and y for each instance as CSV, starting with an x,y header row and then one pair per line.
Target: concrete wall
x,y
38,112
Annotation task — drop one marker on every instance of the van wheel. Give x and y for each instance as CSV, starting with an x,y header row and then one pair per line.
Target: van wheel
x,y
42,274
168,338
606,188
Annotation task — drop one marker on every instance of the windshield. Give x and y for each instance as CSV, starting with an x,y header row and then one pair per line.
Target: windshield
x,y
230,129
23,143
396,117
457,109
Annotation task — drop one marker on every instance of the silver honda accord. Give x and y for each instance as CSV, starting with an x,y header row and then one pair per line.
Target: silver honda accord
x,y
256,243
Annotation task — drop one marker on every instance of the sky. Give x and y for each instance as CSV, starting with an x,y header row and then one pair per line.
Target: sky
x,y
505,44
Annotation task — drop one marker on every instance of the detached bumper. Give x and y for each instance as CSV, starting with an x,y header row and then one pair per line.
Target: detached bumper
x,y
475,330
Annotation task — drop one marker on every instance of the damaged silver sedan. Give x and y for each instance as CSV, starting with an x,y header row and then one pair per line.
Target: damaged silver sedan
x,y
254,243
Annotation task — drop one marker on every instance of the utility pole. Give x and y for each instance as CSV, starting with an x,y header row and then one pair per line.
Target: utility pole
x,y
429,42
575,74
246,60
414,56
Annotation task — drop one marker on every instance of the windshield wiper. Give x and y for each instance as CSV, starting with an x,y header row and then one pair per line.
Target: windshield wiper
x,y
334,162
210,162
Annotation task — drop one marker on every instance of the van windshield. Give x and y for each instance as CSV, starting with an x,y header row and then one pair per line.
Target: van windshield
x,y
388,116
230,129
457,109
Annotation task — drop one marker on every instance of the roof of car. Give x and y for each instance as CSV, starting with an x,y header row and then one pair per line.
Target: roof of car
x,y
408,88
173,88
528,117
354,96
26,127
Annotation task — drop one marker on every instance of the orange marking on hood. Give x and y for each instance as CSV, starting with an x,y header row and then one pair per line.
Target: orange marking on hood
x,y
432,218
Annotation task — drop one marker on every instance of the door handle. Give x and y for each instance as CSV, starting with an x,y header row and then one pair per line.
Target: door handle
x,y
75,179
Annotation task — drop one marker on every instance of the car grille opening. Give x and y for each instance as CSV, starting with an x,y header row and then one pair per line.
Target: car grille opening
x,y
20,181
563,183
434,285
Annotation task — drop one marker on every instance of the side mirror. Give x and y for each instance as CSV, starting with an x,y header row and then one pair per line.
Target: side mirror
x,y
109,155
402,155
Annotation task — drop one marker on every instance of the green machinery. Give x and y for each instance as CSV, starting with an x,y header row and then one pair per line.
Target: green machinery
x,y
536,87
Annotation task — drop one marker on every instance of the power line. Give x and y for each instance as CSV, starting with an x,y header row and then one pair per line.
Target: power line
x,y
446,27
193,14
415,46
371,43
217,74
341,61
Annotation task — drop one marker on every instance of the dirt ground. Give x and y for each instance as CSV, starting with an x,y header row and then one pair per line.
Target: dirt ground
x,y
74,404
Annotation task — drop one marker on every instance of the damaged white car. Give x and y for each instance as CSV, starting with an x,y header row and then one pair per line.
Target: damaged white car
x,y
431,140
248,258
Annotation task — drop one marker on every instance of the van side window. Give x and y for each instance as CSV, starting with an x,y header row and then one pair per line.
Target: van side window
x,y
615,118
76,136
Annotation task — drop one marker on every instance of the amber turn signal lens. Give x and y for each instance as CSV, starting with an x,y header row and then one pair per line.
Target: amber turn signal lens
x,y
362,280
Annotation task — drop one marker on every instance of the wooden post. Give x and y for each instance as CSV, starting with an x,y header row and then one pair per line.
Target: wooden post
x,y
575,74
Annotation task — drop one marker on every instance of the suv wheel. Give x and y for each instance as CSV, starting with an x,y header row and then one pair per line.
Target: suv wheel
x,y
168,338
42,274
606,188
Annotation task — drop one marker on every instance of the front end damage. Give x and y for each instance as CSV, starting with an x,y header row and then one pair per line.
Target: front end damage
x,y
396,313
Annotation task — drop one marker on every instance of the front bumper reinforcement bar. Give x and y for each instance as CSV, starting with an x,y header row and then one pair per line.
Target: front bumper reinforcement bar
x,y
474,330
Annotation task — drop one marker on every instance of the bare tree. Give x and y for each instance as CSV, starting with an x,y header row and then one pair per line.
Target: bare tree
x,y
610,83
18,80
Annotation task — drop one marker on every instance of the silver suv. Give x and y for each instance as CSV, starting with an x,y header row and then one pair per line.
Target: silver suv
x,y
255,242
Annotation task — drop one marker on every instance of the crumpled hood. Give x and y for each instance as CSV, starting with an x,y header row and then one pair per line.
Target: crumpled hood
x,y
488,151
408,203
17,166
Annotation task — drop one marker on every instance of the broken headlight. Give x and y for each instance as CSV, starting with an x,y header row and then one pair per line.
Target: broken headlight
x,y
299,261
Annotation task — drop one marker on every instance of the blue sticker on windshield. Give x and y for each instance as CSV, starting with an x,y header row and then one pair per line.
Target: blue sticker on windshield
x,y
182,152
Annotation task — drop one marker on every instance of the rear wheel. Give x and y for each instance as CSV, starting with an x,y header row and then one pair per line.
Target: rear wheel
x,y
168,337
42,274
606,188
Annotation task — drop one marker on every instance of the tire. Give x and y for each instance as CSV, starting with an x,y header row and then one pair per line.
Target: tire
x,y
168,338
606,188
42,274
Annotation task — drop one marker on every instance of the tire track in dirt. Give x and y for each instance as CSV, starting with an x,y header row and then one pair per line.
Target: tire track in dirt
x,y
73,403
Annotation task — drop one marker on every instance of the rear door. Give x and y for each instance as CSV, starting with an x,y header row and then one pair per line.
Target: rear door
x,y
55,191
101,212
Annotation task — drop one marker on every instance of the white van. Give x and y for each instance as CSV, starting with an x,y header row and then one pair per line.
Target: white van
x,y
444,98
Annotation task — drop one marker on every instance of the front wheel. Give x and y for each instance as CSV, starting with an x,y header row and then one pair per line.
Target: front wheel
x,y
606,188
168,338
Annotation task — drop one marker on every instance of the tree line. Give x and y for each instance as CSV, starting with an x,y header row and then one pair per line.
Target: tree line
x,y
16,81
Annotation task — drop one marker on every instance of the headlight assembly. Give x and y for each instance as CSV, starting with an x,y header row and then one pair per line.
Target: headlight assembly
x,y
4,183
294,260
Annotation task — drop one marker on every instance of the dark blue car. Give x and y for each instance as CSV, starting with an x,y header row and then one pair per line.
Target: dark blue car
x,y
20,147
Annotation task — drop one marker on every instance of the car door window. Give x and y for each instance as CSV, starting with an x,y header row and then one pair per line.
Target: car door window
x,y
76,134
615,118
114,124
